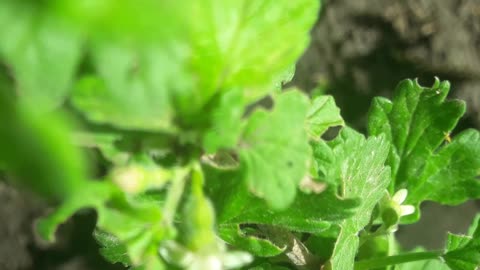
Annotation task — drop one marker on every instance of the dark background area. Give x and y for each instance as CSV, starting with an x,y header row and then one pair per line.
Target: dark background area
x,y
360,49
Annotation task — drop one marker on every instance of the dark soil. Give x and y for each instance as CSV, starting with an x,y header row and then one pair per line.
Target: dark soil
x,y
16,214
363,48
20,249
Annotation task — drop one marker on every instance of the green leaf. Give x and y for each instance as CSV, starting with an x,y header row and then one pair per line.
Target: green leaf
x,y
90,195
140,20
230,50
274,150
233,235
362,174
134,87
322,114
418,123
132,221
463,252
38,150
268,266
450,176
323,161
42,51
375,247
226,125
321,246
136,224
234,205
318,212
105,142
151,262
113,250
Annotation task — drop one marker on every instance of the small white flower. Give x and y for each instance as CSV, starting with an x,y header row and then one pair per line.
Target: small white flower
x,y
398,198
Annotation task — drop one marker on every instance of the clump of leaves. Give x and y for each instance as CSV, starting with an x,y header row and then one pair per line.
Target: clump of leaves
x,y
196,173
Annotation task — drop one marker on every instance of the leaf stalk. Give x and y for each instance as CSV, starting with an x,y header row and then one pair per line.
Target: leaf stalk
x,y
397,259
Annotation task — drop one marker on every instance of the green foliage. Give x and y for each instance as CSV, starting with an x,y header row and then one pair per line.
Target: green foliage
x,y
322,114
230,50
463,252
362,174
113,249
226,123
206,162
38,150
264,150
422,156
125,95
42,51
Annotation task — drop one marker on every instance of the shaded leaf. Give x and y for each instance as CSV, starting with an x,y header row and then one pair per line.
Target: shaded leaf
x,y
233,235
274,150
235,205
133,90
322,114
318,212
268,266
38,149
91,195
226,125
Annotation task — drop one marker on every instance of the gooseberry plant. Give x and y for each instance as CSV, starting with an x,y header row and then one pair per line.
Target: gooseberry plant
x,y
149,112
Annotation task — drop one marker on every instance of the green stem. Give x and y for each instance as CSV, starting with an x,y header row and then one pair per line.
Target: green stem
x,y
174,195
397,259
392,248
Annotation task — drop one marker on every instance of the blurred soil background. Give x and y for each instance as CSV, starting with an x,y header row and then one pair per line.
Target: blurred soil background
x,y
360,49
363,48
75,248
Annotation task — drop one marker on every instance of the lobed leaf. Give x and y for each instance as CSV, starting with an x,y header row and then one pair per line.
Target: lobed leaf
x,y
322,114
418,123
113,250
274,150
235,205
450,176
223,54
91,195
362,174
462,251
